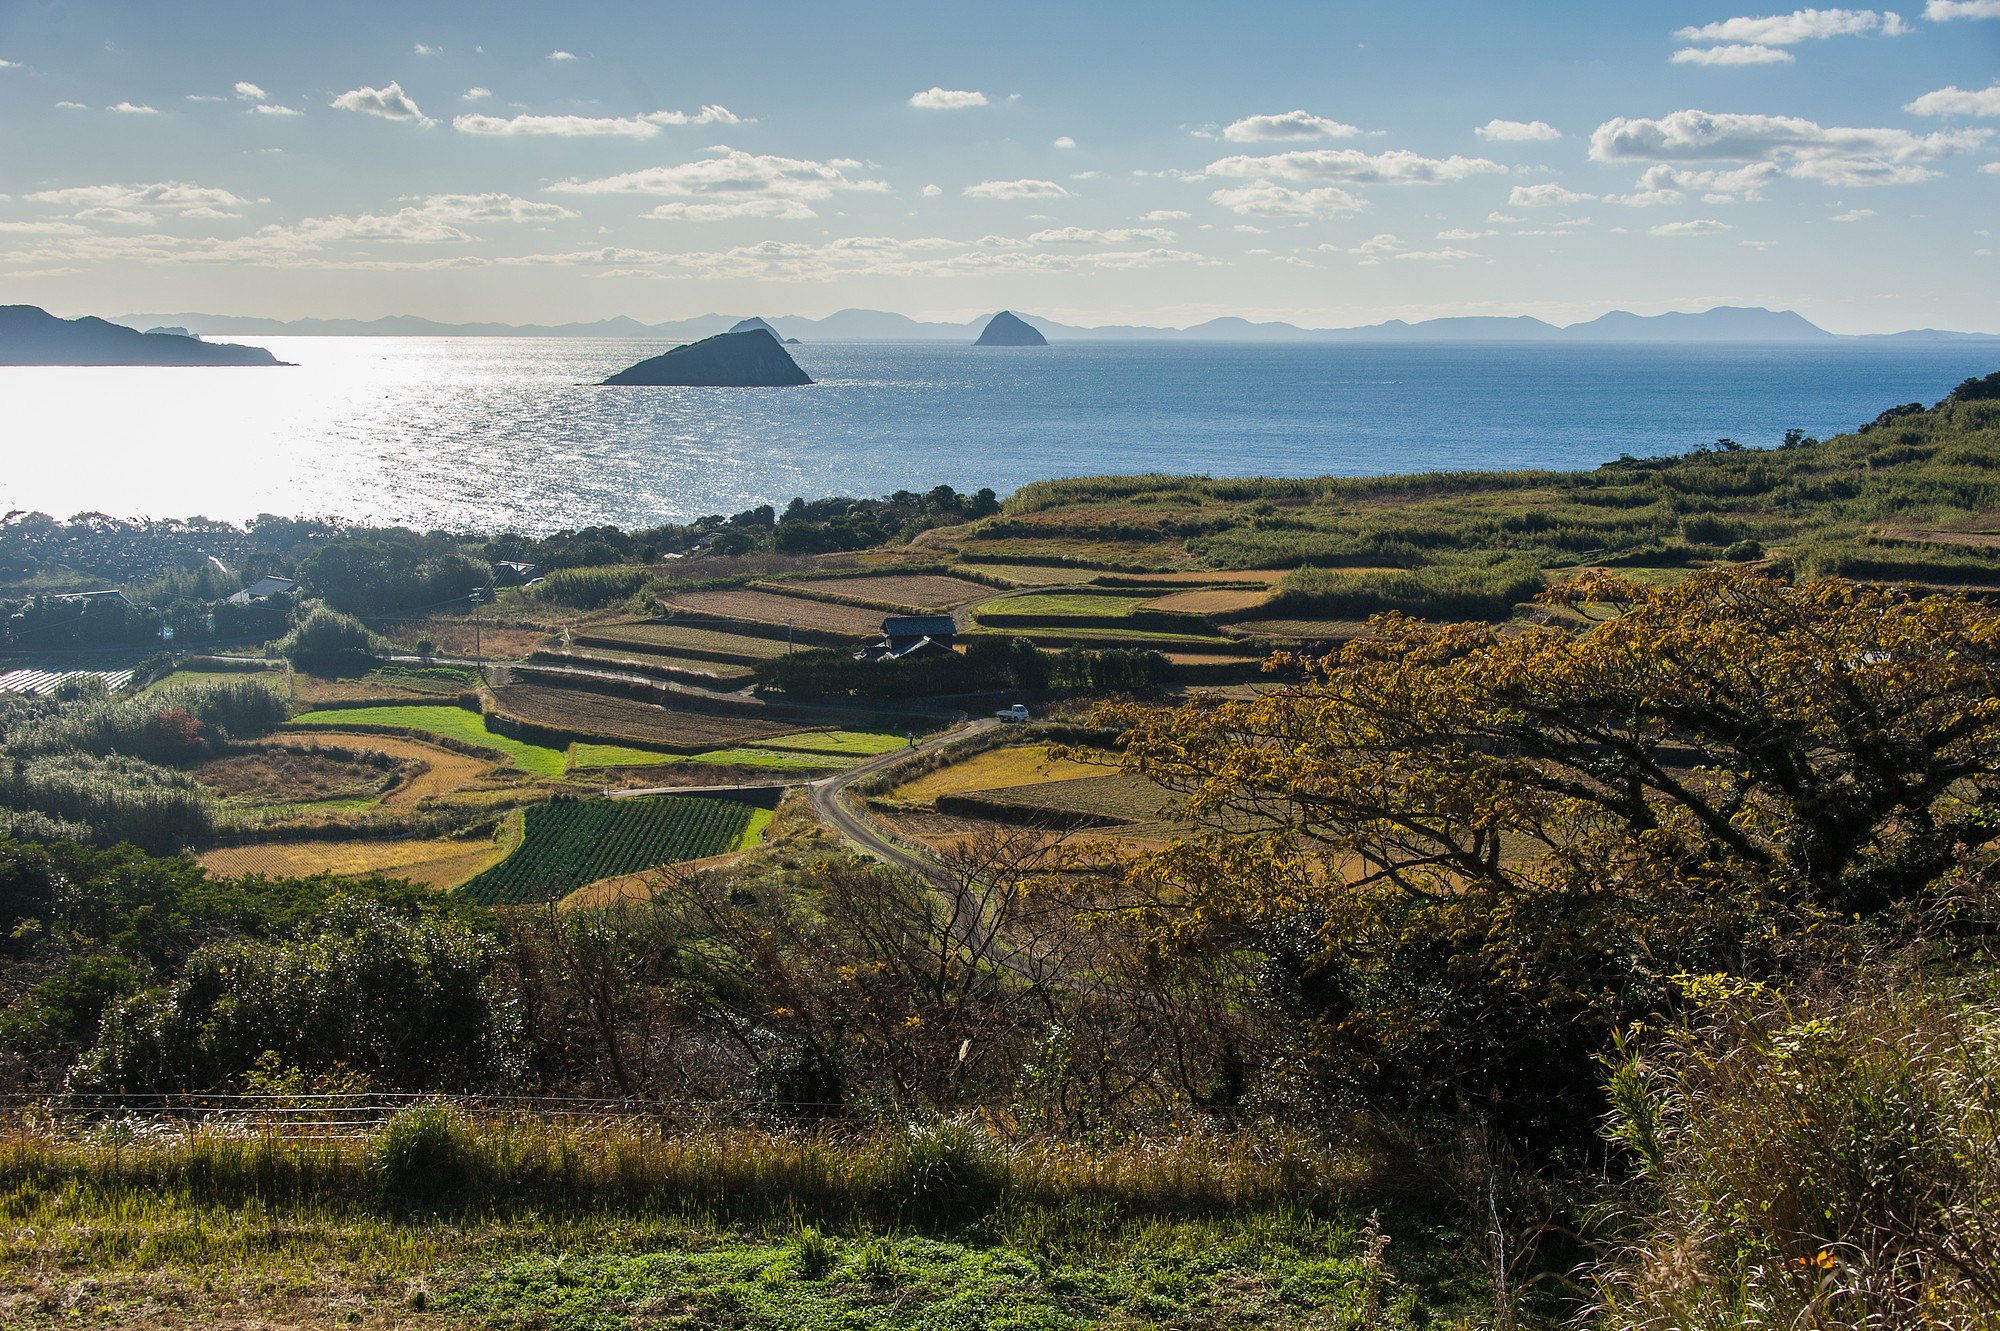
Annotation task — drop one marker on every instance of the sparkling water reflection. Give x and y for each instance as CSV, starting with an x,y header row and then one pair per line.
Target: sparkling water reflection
x,y
488,433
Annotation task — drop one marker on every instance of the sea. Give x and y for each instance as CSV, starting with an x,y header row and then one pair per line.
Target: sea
x,y
501,433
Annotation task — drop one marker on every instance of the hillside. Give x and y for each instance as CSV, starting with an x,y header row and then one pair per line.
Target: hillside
x,y
1913,495
30,335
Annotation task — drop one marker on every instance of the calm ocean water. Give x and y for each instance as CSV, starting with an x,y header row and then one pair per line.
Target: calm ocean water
x,y
489,433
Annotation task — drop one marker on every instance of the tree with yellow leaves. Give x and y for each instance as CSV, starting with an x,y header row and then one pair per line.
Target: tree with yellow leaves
x,y
1468,851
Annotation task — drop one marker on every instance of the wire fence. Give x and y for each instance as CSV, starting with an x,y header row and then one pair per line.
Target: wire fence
x,y
330,1115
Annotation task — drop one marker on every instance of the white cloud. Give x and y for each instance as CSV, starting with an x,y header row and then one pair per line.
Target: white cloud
x,y
1942,11
1165,215
130,109
272,109
561,55
10,64
1799,26
1290,125
1460,233
944,99
249,92
1497,216
931,191
475,94
1544,196
1518,131
71,106
1015,189
737,184
427,50
164,196
782,261
1351,166
1990,169
1802,148
1076,235
1733,55
1064,142
1704,226
1437,256
1955,101
1265,199
1855,214
574,127
390,103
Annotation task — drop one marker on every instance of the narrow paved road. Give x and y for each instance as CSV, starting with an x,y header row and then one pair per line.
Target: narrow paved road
x,y
825,795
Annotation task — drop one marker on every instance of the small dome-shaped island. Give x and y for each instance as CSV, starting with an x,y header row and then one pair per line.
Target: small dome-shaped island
x,y
753,358
1007,329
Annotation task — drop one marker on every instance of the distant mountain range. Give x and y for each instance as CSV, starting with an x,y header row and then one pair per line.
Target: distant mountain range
x,y
1725,323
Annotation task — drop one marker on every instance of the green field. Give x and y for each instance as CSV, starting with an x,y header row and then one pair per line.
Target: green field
x,y
845,743
1061,603
275,679
453,722
725,673
571,843
616,755
749,757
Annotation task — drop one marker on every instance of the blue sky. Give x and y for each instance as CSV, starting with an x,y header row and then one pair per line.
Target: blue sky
x,y
1328,164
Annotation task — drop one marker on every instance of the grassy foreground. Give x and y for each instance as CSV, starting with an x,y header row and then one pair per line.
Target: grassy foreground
x,y
440,1220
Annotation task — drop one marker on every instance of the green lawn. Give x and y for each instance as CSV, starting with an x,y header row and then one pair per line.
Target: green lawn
x,y
453,722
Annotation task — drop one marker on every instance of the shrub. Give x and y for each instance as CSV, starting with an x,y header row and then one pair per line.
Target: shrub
x,y
423,1152
328,642
591,588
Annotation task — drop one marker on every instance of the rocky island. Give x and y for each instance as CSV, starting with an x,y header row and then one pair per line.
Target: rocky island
x,y
753,358
30,335
1007,329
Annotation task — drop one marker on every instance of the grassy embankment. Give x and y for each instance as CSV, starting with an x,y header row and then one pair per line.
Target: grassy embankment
x,y
524,1223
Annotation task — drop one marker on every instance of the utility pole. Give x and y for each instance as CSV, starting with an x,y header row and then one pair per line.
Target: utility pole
x,y
478,655
788,637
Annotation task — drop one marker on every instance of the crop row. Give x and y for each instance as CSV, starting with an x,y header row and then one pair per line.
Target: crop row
x,y
570,843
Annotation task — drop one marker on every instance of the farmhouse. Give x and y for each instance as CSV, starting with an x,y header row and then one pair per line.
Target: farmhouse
x,y
512,573
908,636
88,599
264,587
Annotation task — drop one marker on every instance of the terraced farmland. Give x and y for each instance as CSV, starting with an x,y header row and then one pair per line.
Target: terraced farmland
x,y
686,640
770,608
1068,605
571,843
705,674
605,714
1210,600
913,593
453,722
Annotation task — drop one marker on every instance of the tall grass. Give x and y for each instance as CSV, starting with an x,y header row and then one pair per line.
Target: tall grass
x,y
937,1173
1826,1164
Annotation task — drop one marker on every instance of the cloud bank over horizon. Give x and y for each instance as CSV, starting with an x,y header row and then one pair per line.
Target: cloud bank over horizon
x,y
471,163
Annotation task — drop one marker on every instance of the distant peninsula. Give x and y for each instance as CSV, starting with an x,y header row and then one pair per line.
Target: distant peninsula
x,y
30,335
1007,329
753,358
753,323
1722,324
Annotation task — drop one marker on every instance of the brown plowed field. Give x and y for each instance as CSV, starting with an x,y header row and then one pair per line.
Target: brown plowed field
x,y
603,714
448,772
1037,575
919,592
770,608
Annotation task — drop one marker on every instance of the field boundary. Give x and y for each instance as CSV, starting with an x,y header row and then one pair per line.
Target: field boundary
x,y
465,747
643,648
758,628
1025,815
649,668
807,592
1153,621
